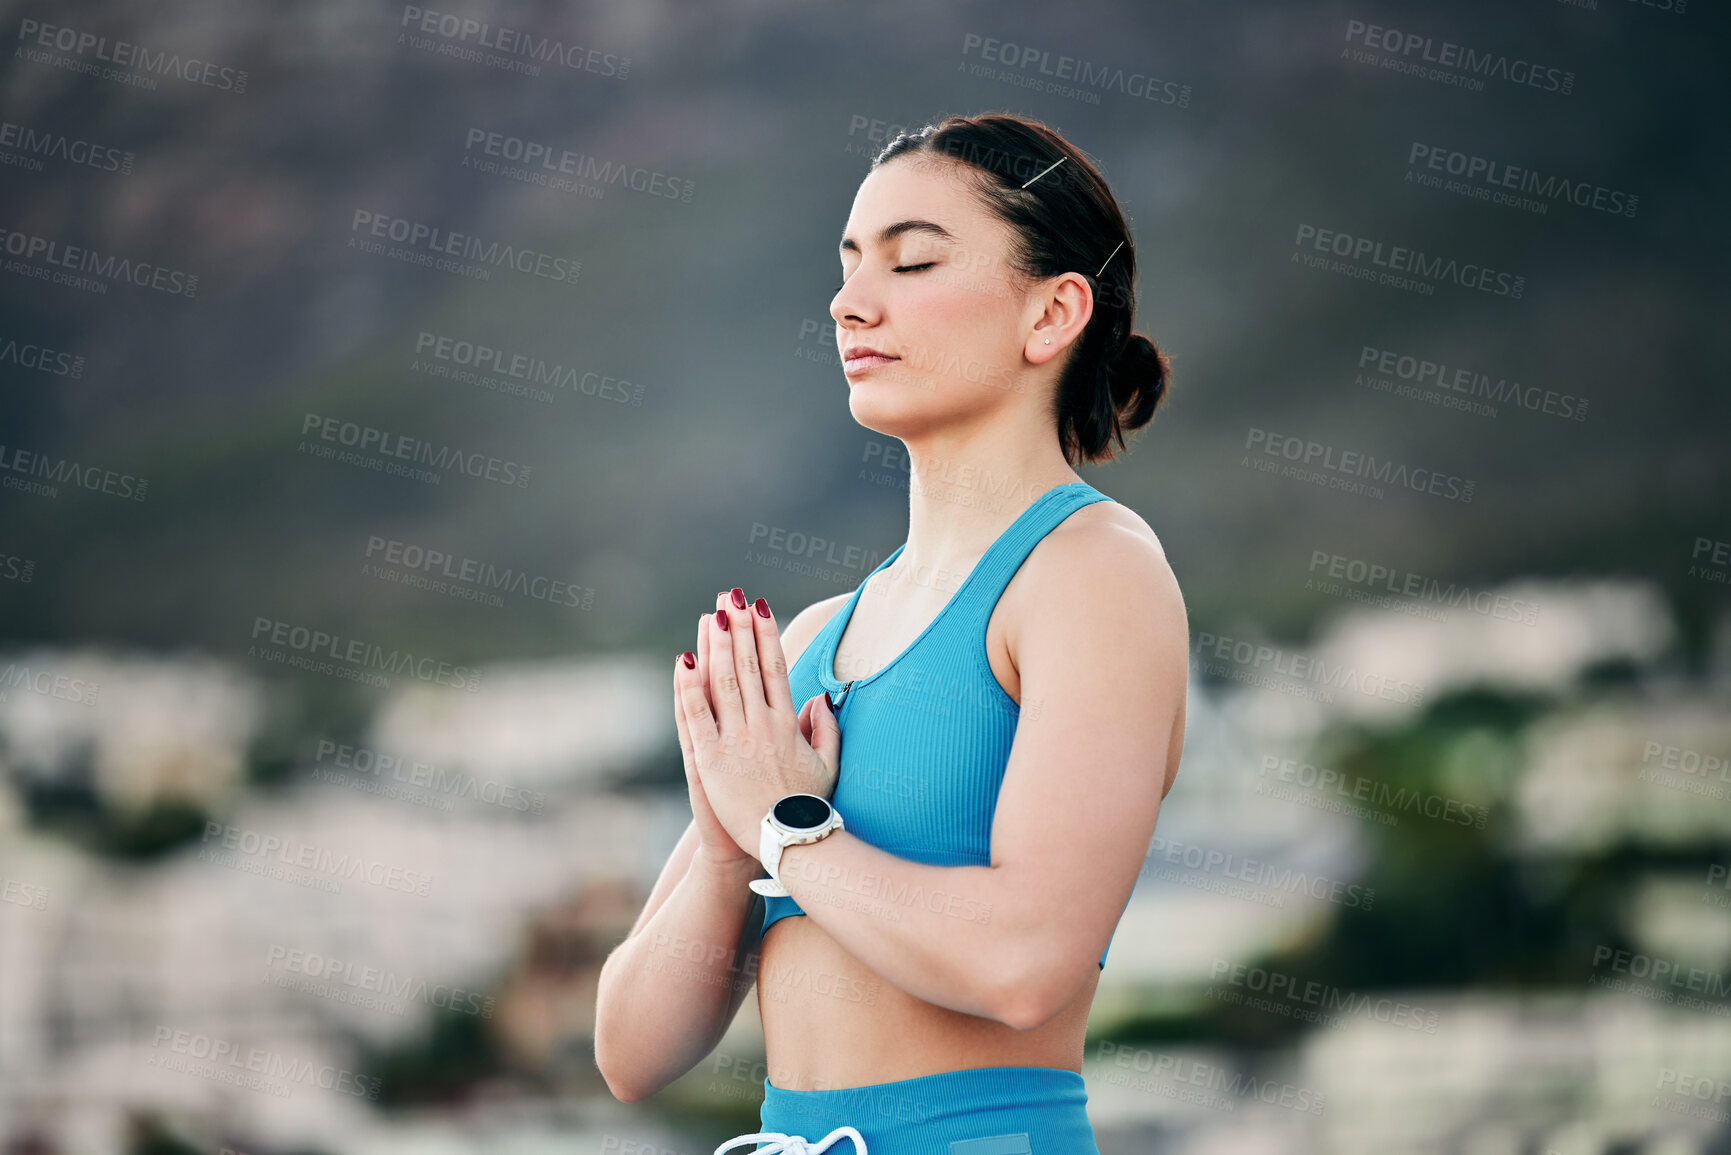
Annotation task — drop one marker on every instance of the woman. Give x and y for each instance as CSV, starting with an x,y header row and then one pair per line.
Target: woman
x,y
977,751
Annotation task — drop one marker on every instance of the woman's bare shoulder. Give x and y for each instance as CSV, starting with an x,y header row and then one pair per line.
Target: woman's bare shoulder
x,y
1105,517
1105,543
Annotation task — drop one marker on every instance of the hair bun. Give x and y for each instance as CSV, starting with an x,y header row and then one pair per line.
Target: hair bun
x,y
1137,378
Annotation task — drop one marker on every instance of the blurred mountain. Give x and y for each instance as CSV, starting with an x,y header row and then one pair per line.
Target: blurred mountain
x,y
712,312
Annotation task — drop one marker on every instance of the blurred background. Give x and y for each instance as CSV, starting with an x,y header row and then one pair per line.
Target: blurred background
x,y
385,390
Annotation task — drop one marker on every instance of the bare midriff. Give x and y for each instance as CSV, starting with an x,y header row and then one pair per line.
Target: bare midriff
x,y
830,1021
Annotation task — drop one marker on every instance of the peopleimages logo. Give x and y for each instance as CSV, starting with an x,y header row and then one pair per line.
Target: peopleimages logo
x,y
1398,265
1446,61
351,979
1326,780
254,1067
433,565
432,246
806,547
319,860
443,783
366,439
124,54
1500,181
1660,972
1255,657
878,132
1256,872
42,475
1368,581
88,269
1186,1072
1313,1001
1349,469
1424,374
530,371
23,894
302,647
29,355
35,144
16,569
465,38
545,164
1035,63
1684,759
47,683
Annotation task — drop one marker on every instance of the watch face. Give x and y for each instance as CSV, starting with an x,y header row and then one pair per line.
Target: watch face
x,y
802,811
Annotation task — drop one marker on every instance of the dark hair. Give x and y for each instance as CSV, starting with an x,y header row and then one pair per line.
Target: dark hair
x,y
1064,220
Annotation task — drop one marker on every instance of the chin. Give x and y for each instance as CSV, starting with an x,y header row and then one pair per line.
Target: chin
x,y
898,409
875,401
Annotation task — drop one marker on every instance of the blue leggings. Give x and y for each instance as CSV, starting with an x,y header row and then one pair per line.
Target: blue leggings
x,y
979,1111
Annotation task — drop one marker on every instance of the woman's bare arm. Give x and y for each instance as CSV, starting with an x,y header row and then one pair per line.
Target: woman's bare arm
x,y
668,993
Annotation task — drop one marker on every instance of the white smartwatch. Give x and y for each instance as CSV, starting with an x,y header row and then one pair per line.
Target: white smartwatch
x,y
793,820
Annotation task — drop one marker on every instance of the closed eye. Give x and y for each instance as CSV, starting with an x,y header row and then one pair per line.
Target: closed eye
x,y
898,269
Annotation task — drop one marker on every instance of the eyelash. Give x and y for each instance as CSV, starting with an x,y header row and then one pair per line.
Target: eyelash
x,y
900,269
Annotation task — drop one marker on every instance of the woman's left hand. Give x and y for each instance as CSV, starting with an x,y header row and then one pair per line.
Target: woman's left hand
x,y
756,745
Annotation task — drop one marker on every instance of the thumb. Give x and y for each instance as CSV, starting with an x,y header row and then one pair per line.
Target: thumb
x,y
825,732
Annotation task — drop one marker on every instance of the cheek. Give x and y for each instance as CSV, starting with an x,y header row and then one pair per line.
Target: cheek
x,y
960,315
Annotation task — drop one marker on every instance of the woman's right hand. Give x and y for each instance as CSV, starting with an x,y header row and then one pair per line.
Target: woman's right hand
x,y
714,842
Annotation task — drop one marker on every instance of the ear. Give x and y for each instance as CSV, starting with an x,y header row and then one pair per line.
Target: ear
x,y
1063,308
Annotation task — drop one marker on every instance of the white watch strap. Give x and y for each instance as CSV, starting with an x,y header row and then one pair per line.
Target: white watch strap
x,y
769,853
770,845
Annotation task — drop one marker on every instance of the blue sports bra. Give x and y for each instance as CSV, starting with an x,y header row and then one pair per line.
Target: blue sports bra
x,y
925,739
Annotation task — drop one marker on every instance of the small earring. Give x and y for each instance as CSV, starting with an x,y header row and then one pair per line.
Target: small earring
x,y
1048,340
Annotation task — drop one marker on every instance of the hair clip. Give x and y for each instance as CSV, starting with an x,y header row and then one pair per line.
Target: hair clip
x,y
1049,168
1108,260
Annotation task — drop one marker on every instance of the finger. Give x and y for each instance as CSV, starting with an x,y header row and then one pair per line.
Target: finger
x,y
700,723
687,744
825,735
702,648
685,750
723,677
745,660
805,719
703,628
776,691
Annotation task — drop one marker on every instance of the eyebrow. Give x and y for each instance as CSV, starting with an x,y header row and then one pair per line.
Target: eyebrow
x,y
890,232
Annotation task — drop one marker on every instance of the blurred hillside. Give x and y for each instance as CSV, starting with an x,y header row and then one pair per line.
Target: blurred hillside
x,y
713,311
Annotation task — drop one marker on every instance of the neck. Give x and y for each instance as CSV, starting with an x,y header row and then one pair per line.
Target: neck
x,y
966,487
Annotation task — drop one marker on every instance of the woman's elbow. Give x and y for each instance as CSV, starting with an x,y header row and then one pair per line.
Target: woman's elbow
x,y
1029,1009
607,1051
624,1092
620,1084
1034,994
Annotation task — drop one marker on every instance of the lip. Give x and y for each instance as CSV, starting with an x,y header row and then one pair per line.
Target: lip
x,y
860,358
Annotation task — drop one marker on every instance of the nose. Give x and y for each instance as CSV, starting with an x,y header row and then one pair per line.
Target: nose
x,y
852,304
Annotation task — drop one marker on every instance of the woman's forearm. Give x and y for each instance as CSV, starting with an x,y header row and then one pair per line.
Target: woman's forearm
x,y
668,992
941,933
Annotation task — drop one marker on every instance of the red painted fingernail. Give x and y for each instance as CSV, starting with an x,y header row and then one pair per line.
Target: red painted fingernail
x,y
721,619
762,608
690,660
739,597
830,702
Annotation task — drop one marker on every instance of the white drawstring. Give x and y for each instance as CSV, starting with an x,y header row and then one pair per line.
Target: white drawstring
x,y
783,1144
